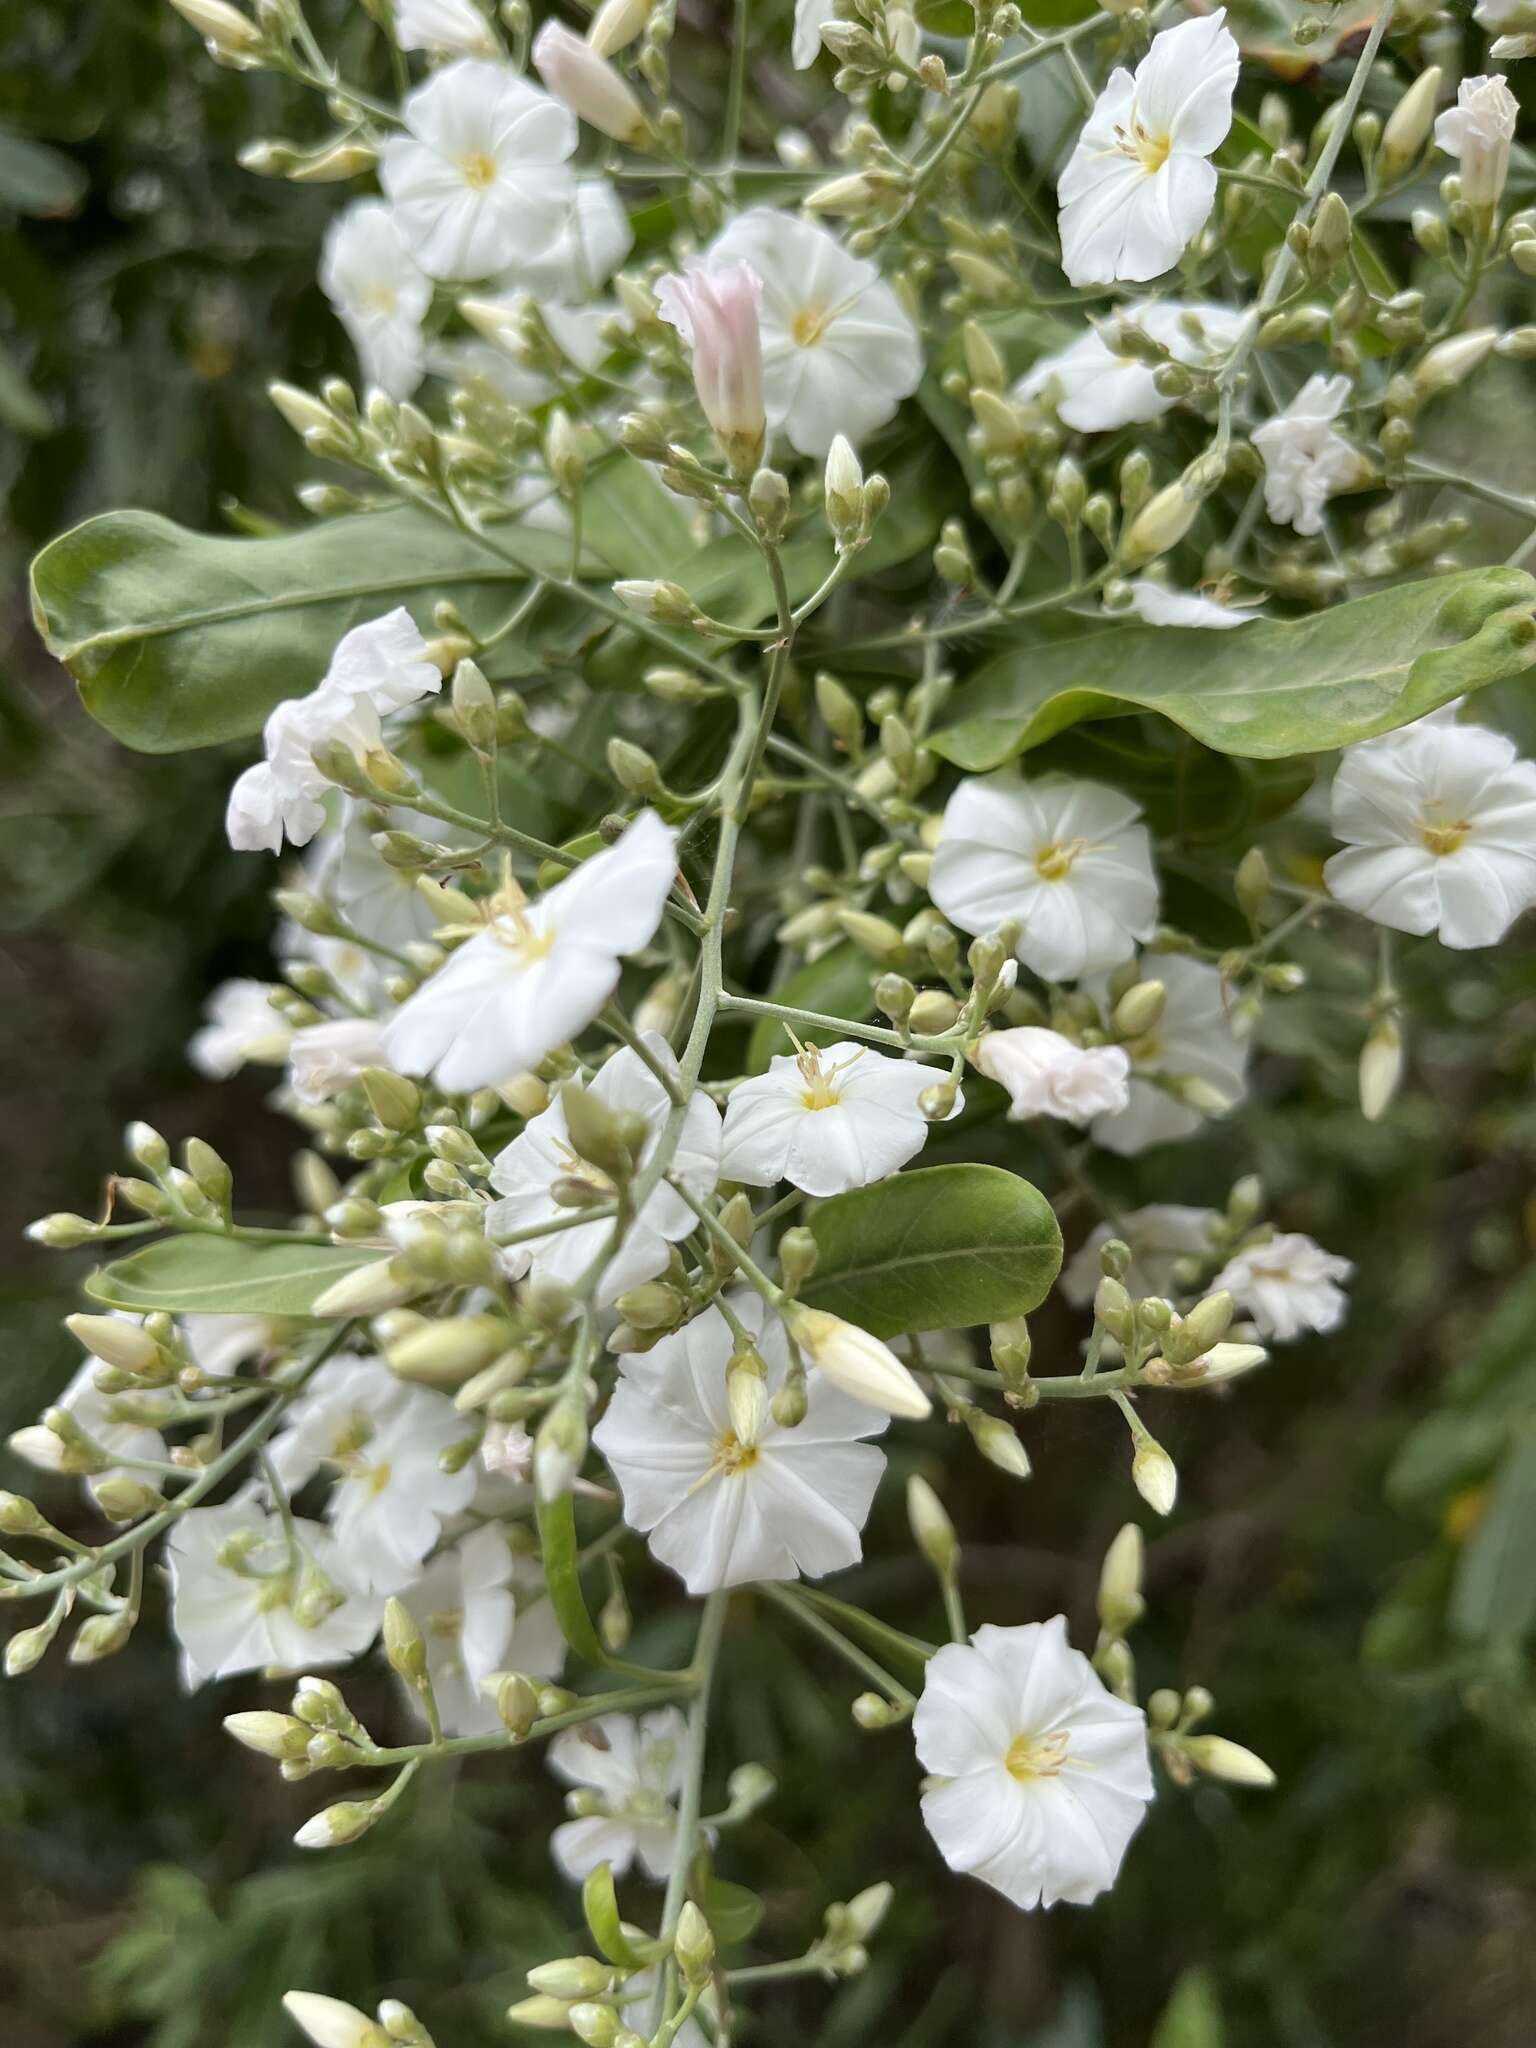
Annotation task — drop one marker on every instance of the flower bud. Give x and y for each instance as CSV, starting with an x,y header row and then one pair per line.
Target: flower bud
x,y
334,1826
225,29
844,491
1160,525
1153,1472
366,1291
559,1448
1381,1068
855,1361
116,1341
932,1530
279,1736
714,307
588,84
1120,1602
571,1977
1409,124
693,1945
330,2023
616,24
474,710
1217,1758
1206,1324
1450,362
998,1443
1140,1009
667,603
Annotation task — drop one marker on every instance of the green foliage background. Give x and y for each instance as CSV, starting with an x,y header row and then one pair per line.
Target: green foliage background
x,y
1352,1568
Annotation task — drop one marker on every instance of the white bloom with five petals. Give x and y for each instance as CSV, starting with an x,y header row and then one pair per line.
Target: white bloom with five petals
x,y
248,1594
1288,1285
1044,1775
480,173
540,971
1047,1075
525,1172
1068,860
1094,389
381,1441
635,1765
378,293
825,1119
1140,185
726,1496
840,351
1439,822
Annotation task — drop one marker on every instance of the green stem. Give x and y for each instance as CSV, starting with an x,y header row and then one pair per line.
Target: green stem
x,y
706,1652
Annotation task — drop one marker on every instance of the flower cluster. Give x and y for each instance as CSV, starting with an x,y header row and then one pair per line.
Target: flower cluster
x,y
736,874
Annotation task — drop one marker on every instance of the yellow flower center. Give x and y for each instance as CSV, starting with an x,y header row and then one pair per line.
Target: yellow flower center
x,y
380,298
809,325
479,170
732,1455
1149,150
447,1624
1443,836
513,927
1054,863
1037,1756
820,1090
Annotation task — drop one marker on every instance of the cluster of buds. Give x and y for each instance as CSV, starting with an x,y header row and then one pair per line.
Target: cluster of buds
x,y
1174,1718
331,2023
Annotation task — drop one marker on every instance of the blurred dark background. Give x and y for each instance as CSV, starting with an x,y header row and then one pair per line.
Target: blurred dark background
x,y
1352,1568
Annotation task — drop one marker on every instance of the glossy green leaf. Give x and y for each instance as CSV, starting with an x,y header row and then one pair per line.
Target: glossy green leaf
x,y
1265,690
195,1274
835,984
179,639
942,1248
1493,1598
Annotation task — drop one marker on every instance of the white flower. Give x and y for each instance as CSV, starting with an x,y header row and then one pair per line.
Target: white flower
x,y
1479,130
1288,1286
1156,605
593,238
1305,459
377,668
219,1343
243,1600
525,1171
636,1768
463,1605
379,295
594,90
480,174
826,1119
325,1058
448,28
714,307
811,17
839,350
381,1440
540,972
1139,186
1095,390
1067,859
1439,824
1047,1075
1193,1038
241,1025
1159,1236
728,1498
1045,1774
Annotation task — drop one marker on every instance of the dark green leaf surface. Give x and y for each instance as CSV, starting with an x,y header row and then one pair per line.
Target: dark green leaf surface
x,y
1265,690
943,1248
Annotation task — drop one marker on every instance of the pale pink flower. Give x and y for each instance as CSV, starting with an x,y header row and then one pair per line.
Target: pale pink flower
x,y
714,307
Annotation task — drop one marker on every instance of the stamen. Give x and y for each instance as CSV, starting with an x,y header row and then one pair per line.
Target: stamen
x,y
1038,1756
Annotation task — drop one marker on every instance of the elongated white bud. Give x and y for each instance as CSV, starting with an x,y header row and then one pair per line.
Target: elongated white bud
x,y
857,1362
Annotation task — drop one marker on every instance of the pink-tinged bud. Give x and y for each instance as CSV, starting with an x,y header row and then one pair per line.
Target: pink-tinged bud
x,y
714,306
588,84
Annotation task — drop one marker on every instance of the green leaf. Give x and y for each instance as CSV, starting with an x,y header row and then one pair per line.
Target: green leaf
x,y
599,1901
179,639
1494,1594
225,1276
36,179
732,1911
943,1248
835,984
1272,688
557,1549
1192,2016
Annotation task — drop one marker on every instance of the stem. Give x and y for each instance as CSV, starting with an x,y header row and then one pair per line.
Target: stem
x,y
706,1651
787,1602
